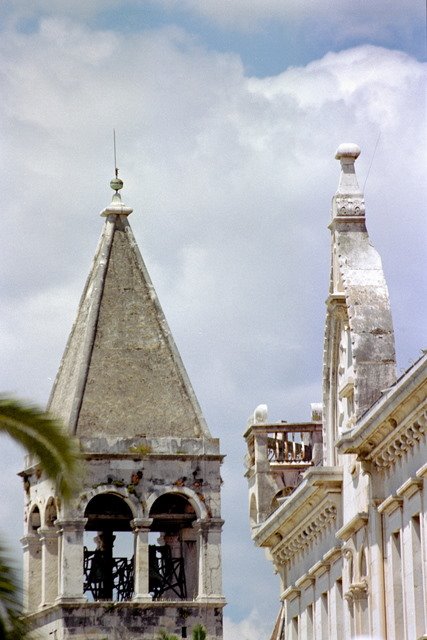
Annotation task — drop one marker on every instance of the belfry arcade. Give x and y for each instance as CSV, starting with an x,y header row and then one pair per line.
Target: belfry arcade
x,y
138,547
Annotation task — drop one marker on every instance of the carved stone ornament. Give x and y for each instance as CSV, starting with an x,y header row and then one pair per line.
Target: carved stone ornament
x,y
305,536
357,591
349,206
400,444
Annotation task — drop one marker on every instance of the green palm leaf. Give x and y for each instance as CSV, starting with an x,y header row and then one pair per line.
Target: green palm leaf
x,y
44,438
56,453
199,632
12,627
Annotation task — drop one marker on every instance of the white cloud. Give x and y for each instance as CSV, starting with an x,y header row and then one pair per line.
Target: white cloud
x,y
251,628
234,177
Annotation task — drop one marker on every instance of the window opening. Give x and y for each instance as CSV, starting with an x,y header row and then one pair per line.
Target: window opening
x,y
173,557
108,576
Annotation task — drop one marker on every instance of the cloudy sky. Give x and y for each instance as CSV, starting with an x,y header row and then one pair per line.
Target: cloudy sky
x,y
228,114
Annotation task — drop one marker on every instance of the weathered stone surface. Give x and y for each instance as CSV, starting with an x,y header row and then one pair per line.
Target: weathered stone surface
x,y
348,540
125,621
137,549
121,350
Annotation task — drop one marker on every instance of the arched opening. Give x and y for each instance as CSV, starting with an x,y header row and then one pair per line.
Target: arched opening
x,y
108,576
50,514
363,565
173,564
34,521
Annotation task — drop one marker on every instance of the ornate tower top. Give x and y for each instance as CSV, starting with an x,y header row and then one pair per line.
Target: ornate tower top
x,y
150,471
121,373
359,356
348,200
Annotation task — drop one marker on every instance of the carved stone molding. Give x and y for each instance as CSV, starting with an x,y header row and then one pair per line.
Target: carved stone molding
x,y
306,535
358,521
357,591
400,444
346,206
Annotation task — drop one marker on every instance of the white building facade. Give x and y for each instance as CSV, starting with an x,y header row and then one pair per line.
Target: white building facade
x,y
340,502
137,550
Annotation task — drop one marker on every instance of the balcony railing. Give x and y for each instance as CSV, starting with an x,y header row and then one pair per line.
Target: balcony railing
x,y
286,450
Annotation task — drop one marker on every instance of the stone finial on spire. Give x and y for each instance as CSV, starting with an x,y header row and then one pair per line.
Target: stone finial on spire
x,y
116,206
348,200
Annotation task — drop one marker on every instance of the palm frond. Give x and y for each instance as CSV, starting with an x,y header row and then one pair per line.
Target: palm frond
x,y
43,436
12,626
199,632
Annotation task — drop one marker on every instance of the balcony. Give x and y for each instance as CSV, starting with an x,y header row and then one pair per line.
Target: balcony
x,y
278,455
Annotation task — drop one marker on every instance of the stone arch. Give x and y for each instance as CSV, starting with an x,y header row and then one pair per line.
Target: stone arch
x,y
50,513
34,519
194,499
363,564
108,567
176,517
122,492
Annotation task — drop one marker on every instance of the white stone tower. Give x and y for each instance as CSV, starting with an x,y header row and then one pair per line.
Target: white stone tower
x,y
359,355
138,550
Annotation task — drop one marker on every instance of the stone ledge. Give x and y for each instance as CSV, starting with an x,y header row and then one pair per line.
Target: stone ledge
x,y
302,506
389,505
357,522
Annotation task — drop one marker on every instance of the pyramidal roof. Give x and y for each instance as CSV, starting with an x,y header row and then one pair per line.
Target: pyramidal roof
x,y
121,373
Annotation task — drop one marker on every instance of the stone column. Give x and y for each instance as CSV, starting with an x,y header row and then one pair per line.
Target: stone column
x,y
32,572
263,484
71,560
141,528
49,565
209,548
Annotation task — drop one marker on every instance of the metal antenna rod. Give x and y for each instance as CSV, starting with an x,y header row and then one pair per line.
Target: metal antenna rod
x,y
372,160
116,171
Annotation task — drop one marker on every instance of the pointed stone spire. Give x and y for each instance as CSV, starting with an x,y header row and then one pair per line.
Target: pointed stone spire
x,y
359,355
121,373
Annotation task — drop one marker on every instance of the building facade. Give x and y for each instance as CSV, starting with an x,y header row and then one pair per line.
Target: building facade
x,y
137,550
340,502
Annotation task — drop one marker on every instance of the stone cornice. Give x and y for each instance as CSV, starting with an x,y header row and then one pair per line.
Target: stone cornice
x,y
408,488
318,569
304,582
390,504
332,555
394,423
152,456
399,443
422,473
99,608
305,513
305,534
357,522
290,593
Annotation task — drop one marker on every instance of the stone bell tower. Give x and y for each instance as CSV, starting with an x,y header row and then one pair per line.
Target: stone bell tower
x,y
138,549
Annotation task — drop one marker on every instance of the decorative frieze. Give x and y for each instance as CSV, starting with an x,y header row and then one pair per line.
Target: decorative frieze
x,y
400,444
306,535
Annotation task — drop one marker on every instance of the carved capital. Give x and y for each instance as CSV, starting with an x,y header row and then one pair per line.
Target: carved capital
x,y
141,524
357,591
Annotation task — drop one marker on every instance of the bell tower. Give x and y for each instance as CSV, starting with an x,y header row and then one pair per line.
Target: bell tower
x,y
137,550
